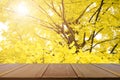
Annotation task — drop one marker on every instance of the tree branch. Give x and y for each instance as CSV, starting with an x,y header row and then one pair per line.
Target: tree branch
x,y
104,41
92,41
97,12
99,9
107,9
93,15
65,22
46,13
53,8
72,36
84,42
98,31
80,16
114,48
95,34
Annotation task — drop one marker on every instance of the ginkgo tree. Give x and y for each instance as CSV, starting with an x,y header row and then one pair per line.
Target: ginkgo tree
x,y
59,31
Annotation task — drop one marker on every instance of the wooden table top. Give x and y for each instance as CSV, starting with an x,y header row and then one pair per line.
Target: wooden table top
x,y
59,71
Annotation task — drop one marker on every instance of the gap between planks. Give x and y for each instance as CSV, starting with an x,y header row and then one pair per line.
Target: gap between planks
x,y
91,71
74,67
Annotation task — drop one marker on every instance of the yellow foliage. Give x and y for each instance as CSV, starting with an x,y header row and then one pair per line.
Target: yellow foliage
x,y
42,31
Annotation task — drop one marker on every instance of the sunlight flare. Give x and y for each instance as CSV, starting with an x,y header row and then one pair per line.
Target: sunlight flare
x,y
22,9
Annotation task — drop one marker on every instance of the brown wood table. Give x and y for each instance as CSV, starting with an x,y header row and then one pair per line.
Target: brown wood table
x,y
59,71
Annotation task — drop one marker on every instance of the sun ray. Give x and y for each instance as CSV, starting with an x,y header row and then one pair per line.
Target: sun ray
x,y
22,9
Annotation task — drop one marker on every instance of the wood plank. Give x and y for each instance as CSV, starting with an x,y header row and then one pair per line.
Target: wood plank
x,y
59,71
90,71
112,68
28,71
6,68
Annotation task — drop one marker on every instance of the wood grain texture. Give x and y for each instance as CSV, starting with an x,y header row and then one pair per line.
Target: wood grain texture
x,y
28,71
91,71
4,69
112,68
59,71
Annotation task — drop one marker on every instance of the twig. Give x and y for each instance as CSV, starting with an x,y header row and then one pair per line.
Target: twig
x,y
73,2
99,9
84,42
92,41
97,12
104,41
80,16
114,48
65,22
93,15
107,9
98,31
53,8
